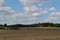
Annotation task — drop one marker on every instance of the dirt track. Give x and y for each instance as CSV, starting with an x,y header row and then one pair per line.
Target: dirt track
x,y
30,34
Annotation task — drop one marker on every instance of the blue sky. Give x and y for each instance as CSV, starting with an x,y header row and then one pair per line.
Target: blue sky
x,y
29,11
15,4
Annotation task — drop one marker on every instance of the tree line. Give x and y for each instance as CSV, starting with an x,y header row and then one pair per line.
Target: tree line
x,y
17,26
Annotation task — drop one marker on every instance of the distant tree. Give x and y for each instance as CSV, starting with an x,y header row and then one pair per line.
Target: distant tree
x,y
5,25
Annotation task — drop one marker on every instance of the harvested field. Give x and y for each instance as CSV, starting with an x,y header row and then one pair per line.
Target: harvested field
x,y
31,34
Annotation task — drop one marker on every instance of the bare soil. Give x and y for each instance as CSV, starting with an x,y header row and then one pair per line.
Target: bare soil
x,y
31,34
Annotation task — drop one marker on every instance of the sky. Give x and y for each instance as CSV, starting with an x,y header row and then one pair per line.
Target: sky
x,y
29,11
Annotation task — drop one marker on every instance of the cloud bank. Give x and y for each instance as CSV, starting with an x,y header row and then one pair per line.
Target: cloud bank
x,y
30,15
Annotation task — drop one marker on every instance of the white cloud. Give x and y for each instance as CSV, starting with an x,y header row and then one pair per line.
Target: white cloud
x,y
31,11
30,2
1,2
19,17
40,13
33,2
55,16
35,11
30,7
52,9
1,17
7,10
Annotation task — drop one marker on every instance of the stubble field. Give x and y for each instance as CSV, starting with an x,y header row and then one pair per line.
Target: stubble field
x,y
31,34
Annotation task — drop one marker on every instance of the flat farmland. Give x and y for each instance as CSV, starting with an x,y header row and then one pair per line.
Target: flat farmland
x,y
31,34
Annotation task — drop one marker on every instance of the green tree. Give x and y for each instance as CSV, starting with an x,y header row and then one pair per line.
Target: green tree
x,y
5,25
